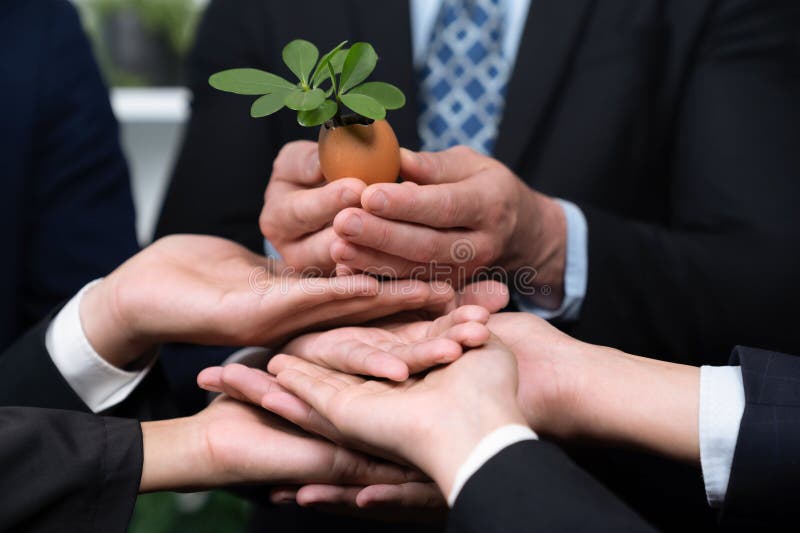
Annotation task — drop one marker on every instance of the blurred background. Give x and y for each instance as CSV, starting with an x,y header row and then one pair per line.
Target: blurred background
x,y
141,46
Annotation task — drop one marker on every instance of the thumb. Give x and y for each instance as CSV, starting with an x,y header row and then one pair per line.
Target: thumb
x,y
455,164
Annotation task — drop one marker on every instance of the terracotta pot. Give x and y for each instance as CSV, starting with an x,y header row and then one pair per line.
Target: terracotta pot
x,y
368,152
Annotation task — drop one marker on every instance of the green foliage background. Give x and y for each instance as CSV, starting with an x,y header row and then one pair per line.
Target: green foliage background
x,y
161,513
174,20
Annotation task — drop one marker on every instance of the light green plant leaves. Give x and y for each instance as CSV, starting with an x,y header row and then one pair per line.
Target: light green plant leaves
x,y
386,94
249,81
321,72
300,56
358,65
364,106
301,100
268,104
318,116
347,69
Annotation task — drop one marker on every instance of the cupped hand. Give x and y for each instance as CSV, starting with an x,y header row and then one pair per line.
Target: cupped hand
x,y
395,351
552,371
207,290
299,207
433,422
457,213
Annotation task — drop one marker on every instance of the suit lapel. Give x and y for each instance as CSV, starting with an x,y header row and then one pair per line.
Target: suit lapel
x,y
546,48
387,25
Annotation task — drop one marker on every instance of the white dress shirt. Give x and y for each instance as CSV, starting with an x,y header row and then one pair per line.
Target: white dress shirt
x,y
98,383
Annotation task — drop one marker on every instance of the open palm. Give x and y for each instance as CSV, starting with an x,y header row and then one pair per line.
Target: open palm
x,y
199,289
395,350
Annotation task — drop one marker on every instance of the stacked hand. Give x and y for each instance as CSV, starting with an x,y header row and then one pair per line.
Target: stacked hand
x,y
432,421
395,351
537,376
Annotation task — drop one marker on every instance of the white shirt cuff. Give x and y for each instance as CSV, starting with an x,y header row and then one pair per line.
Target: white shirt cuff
x,y
576,269
722,403
488,447
97,382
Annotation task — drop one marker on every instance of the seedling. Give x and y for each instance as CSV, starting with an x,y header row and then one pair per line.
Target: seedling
x,y
326,87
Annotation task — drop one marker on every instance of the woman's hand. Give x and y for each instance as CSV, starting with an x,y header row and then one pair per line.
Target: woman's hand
x,y
232,443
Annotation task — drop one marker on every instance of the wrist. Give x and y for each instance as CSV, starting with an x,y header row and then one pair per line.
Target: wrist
x,y
446,447
175,456
541,244
107,329
639,402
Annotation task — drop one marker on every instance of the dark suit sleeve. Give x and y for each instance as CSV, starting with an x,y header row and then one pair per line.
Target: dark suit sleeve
x,y
66,471
766,464
82,222
727,264
218,184
534,486
29,378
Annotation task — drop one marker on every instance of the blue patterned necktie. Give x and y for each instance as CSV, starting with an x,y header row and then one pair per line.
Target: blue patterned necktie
x,y
463,83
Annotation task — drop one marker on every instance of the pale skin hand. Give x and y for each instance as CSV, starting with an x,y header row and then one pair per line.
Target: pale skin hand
x,y
232,443
395,351
573,390
433,422
457,209
200,290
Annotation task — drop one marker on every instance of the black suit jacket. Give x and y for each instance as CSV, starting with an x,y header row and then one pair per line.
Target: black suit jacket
x,y
533,486
766,464
63,468
66,210
673,124
29,378
64,471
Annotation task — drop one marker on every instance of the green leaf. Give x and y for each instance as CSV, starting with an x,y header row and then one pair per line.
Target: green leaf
x,y
318,116
364,106
321,72
249,81
358,65
301,100
300,56
268,104
386,94
337,61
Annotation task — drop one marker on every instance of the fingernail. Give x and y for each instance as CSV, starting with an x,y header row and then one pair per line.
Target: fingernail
x,y
353,226
377,201
350,197
347,253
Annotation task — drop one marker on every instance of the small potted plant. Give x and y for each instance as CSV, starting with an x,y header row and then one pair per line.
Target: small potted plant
x,y
355,140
